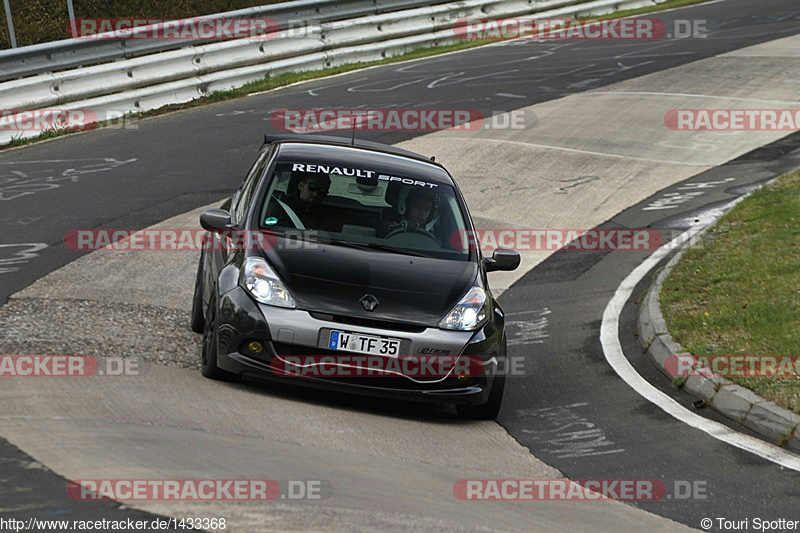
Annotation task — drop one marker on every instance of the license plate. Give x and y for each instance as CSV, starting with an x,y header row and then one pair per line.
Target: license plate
x,y
352,342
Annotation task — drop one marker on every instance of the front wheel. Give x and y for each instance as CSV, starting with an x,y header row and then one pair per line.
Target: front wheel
x,y
490,409
211,345
198,321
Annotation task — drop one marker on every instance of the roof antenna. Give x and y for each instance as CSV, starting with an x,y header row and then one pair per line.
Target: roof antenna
x,y
353,137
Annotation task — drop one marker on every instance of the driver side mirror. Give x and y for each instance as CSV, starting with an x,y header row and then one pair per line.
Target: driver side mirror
x,y
215,220
502,259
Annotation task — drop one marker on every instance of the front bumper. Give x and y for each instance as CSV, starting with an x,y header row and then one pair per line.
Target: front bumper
x,y
284,332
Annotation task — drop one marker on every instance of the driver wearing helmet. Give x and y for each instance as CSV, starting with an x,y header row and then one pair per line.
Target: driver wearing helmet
x,y
419,207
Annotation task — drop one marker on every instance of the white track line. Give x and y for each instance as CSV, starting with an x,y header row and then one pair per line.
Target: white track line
x,y
612,349
692,95
576,150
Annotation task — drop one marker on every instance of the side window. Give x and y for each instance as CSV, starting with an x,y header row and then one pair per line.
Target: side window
x,y
250,185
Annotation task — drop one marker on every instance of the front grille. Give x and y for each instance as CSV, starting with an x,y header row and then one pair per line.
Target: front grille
x,y
369,323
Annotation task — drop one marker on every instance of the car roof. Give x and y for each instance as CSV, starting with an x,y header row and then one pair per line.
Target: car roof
x,y
349,143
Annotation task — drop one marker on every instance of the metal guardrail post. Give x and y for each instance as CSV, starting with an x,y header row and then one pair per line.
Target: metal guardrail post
x,y
73,30
10,22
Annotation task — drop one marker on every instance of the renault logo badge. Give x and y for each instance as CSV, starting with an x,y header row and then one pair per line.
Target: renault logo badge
x,y
369,302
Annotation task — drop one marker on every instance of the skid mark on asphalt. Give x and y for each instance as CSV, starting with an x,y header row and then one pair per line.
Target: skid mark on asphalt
x,y
12,259
575,182
565,433
532,329
23,178
672,200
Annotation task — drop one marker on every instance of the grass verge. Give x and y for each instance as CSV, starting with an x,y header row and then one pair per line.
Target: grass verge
x,y
282,80
739,293
671,4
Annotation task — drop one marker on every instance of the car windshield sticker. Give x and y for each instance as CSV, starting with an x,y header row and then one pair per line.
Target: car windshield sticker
x,y
271,221
358,173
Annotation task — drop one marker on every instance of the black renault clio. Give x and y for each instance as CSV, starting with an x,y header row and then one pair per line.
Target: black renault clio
x,y
356,258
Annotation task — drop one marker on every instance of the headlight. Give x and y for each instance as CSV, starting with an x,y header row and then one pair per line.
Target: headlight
x,y
264,284
469,313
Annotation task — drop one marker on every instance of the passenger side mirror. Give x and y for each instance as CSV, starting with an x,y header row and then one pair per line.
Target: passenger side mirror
x,y
215,220
502,259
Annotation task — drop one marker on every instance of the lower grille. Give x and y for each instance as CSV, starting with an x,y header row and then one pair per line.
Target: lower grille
x,y
388,382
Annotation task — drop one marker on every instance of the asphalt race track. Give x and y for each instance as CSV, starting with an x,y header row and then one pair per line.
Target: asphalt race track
x,y
570,410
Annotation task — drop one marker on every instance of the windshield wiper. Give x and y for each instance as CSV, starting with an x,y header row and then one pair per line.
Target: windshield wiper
x,y
375,246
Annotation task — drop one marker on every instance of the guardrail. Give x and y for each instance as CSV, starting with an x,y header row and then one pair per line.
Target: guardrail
x,y
72,53
176,76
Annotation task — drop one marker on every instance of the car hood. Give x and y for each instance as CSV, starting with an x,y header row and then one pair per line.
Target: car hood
x,y
333,279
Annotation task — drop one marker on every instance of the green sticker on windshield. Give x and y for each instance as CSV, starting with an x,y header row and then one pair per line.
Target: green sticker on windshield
x,y
271,221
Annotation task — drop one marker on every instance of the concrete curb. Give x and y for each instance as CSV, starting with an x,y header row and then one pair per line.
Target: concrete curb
x,y
774,423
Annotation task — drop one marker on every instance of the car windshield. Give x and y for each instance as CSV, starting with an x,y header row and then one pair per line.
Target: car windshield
x,y
367,208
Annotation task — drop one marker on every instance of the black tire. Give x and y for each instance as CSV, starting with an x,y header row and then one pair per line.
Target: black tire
x,y
208,354
198,320
490,409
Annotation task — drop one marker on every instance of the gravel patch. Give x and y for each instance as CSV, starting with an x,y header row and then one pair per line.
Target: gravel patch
x,y
152,334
